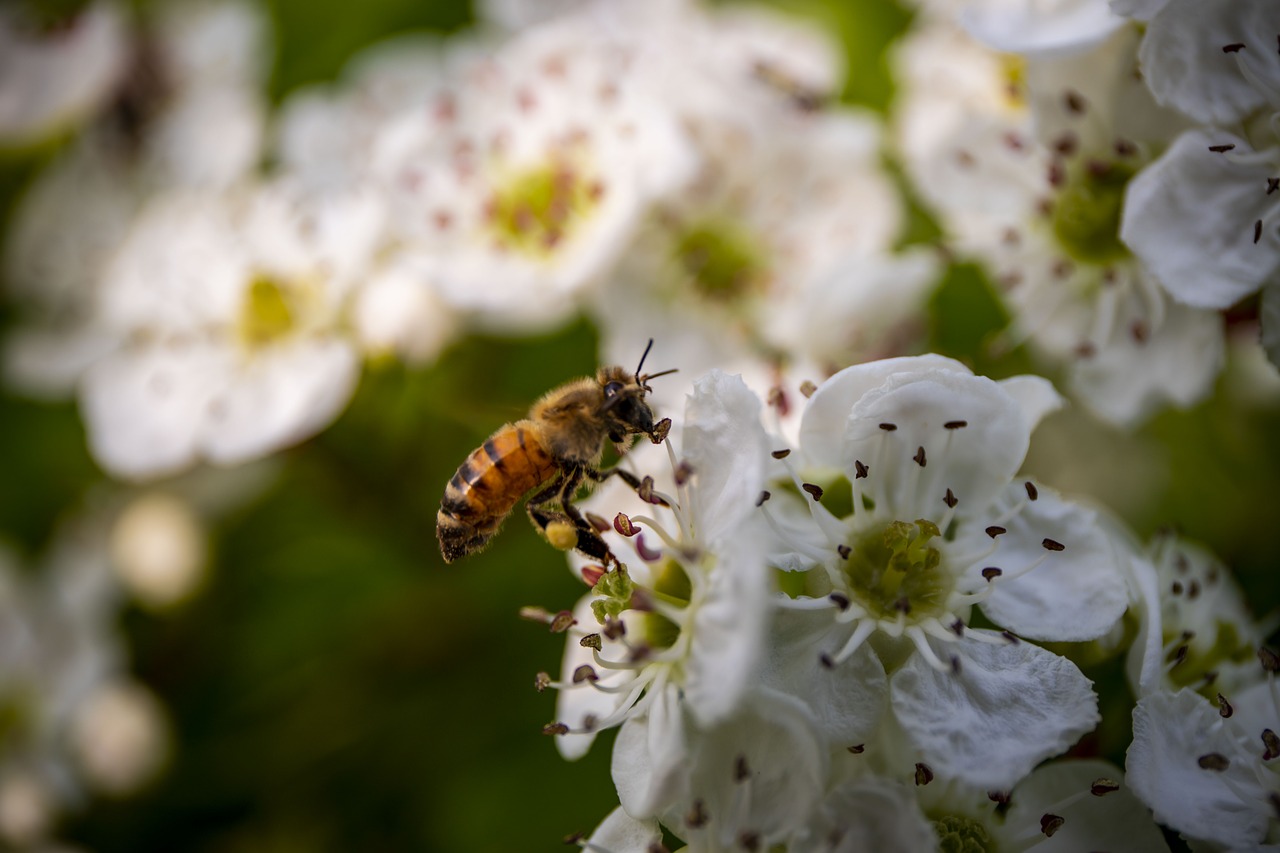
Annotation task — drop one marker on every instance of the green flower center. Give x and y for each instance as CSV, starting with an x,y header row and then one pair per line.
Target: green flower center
x,y
958,834
894,570
534,210
1228,647
1087,210
266,315
720,259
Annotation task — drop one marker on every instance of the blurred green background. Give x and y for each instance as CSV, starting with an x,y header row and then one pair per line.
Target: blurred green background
x,y
336,687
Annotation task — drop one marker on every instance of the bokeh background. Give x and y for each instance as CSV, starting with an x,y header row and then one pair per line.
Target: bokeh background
x,y
334,686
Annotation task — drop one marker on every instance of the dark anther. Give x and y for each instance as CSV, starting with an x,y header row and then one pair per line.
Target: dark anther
x,y
591,641
1176,588
990,573
807,388
923,774
999,797
600,524
814,490
859,470
660,430
950,499
555,729
827,661
1102,787
623,525
1073,101
697,816
955,664
741,770
1193,589
749,841
1221,149
657,847
957,628
645,493
903,605
955,424
1032,491
584,673
1050,823
1272,743
858,749
844,551
574,837
1257,231
764,496
919,457
1125,148
1214,761
1053,545
590,721
778,399
1273,184
995,530
614,628
1269,660
562,621
1177,656
683,472
781,454
888,427
1234,47
1010,637
839,600
1066,144
541,681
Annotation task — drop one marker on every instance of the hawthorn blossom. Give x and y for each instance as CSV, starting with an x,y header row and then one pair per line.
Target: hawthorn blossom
x,y
228,309
923,521
1046,169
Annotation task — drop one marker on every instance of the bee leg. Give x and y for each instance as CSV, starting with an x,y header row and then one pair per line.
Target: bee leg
x,y
562,490
646,494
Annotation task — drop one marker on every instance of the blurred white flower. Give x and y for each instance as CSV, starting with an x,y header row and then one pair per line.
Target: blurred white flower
x,y
1035,187
120,737
229,308
1033,27
190,113
57,73
930,522
398,313
158,549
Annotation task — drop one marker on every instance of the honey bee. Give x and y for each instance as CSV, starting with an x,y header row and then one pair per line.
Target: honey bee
x,y
554,450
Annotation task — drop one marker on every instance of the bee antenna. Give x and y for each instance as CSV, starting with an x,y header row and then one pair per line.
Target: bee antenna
x,y
642,358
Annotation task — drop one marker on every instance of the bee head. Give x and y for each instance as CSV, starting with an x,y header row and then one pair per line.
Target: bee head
x,y
624,406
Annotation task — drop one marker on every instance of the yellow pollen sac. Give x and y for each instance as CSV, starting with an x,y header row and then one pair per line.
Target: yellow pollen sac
x,y
562,535
535,210
266,315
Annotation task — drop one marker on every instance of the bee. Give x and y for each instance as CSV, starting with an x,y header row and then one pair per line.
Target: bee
x,y
554,450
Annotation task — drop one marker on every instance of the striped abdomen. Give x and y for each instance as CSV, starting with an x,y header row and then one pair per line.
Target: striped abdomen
x,y
495,476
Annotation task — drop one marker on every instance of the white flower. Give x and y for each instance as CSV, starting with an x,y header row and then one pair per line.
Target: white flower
x,y
932,524
52,80
228,308
531,174
1204,216
158,549
1034,27
120,737
1038,193
1207,771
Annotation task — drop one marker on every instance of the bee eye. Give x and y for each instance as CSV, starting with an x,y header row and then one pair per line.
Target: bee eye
x,y
611,389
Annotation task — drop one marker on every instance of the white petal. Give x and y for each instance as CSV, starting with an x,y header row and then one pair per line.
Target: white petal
x,y
729,627
143,407
575,704
827,414
975,457
1075,594
849,700
727,447
1185,66
1144,665
1035,395
1114,821
1027,27
1190,217
650,757
621,833
1269,318
870,814
1127,380
1171,732
1010,706
278,398
1140,10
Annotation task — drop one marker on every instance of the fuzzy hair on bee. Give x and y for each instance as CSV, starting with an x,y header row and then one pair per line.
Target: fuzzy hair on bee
x,y
554,451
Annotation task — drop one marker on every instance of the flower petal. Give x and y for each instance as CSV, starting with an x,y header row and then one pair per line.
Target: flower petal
x,y
621,833
1010,706
1190,217
1171,733
1021,26
825,418
575,704
1075,594
870,814
650,756
1035,395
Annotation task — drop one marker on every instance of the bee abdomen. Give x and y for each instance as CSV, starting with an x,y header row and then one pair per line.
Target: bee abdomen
x,y
487,486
